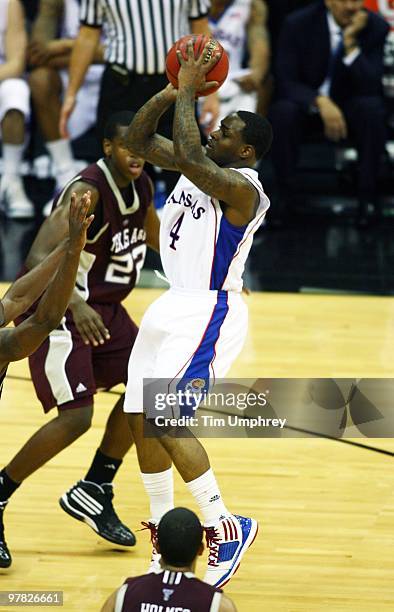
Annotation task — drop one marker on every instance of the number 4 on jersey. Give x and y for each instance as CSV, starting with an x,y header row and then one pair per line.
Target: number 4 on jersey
x,y
174,233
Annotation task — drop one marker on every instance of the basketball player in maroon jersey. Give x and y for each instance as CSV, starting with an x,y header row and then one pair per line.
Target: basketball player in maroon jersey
x,y
174,587
90,349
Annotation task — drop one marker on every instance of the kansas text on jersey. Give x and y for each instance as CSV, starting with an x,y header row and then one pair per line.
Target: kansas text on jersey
x,y
199,247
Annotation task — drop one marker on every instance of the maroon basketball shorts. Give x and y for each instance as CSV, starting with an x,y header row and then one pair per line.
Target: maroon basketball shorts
x,y
67,373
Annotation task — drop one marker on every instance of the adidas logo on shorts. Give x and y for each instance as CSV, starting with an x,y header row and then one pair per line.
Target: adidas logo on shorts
x,y
81,387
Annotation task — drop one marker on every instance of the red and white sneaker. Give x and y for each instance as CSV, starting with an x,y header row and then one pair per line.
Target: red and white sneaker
x,y
227,542
154,566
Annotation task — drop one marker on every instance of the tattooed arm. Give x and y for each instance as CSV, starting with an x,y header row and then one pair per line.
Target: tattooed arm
x,y
228,186
141,134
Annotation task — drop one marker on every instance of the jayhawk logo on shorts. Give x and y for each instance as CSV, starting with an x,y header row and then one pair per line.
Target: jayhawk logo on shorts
x,y
196,385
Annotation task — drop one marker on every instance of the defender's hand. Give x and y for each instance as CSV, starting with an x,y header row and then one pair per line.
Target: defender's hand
x,y
78,222
89,323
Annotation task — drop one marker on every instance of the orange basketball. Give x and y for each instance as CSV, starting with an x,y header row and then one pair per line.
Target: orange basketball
x,y
219,71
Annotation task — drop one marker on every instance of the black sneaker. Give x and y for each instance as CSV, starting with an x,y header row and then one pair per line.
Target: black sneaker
x,y
92,504
5,555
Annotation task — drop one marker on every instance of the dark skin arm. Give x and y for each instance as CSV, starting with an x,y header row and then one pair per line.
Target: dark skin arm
x,y
17,343
45,26
224,184
45,49
45,45
88,322
141,134
44,32
27,289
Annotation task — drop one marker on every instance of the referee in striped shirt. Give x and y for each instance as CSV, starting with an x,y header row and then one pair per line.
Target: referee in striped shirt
x,y
138,35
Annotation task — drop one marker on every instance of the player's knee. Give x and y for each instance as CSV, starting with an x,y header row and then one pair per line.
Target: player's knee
x,y
13,115
76,421
135,421
42,80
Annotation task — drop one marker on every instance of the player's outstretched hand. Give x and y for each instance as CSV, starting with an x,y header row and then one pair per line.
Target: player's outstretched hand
x,y
78,221
193,70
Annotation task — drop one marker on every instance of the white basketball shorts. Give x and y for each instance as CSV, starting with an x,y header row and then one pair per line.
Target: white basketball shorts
x,y
14,95
186,334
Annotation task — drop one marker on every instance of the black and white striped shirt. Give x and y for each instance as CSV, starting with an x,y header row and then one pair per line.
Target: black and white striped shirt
x,y
140,32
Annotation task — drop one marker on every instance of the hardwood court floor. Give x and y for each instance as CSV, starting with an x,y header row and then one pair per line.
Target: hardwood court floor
x,y
326,509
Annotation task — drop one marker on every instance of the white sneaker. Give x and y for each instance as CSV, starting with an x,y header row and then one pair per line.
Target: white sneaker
x,y
154,566
14,200
227,542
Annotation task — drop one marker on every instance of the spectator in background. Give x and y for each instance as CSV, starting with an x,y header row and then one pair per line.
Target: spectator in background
x,y
139,34
14,108
237,25
49,56
277,12
329,71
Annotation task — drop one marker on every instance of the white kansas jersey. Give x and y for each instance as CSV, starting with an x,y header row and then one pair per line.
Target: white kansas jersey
x,y
230,29
199,248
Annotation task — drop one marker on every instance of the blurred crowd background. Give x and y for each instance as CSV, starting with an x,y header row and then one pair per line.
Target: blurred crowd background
x,y
321,70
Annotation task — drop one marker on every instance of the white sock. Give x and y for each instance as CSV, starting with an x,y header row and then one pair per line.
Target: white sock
x,y
160,488
206,492
63,160
12,159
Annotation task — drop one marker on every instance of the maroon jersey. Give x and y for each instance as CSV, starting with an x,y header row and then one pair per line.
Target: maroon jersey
x,y
167,591
115,250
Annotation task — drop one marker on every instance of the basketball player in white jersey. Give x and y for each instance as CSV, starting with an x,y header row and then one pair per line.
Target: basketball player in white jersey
x,y
196,329
14,108
239,25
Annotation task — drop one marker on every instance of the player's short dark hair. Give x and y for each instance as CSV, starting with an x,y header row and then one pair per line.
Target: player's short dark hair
x,y
116,120
257,132
179,536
